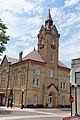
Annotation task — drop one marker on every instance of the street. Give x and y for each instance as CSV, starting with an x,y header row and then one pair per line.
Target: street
x,y
32,114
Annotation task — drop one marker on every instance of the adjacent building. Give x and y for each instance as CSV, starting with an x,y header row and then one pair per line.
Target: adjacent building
x,y
76,84
39,79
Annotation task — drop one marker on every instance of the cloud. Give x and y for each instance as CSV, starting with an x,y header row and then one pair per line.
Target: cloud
x,y
70,2
71,47
25,17
54,11
28,50
18,26
14,6
53,1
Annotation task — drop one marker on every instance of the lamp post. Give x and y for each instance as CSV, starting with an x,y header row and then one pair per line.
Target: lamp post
x,y
22,99
75,85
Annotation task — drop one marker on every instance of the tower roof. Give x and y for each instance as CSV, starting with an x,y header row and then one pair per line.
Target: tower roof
x,y
49,21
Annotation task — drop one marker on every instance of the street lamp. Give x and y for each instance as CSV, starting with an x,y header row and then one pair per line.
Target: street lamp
x,y
22,99
75,85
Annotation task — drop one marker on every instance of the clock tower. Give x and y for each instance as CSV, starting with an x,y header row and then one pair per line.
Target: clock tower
x,y
48,41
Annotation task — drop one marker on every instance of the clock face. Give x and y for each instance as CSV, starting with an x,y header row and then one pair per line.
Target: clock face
x,y
42,42
42,32
53,32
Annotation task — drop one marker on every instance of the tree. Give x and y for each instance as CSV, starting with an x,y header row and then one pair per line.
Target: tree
x,y
3,37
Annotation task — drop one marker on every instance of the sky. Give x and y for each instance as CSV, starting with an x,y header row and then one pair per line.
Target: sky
x,y
24,19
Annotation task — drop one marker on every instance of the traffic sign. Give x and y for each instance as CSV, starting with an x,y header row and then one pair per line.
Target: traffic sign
x,y
71,99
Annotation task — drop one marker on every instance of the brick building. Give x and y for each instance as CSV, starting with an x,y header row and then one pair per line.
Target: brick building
x,y
75,67
43,78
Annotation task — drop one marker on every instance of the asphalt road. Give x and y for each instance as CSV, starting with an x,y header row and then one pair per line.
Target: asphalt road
x,y
32,114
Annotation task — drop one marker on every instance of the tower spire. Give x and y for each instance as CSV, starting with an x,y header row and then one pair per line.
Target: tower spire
x,y
49,21
49,14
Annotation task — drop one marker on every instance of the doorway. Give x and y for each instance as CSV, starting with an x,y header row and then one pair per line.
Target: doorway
x,y
50,100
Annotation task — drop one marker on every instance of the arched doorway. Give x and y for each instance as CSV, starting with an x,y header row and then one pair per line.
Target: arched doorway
x,y
50,100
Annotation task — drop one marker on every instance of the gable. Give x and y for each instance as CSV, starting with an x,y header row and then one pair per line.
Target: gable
x,y
4,61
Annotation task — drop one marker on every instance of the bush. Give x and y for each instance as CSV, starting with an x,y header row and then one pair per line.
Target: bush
x,y
35,106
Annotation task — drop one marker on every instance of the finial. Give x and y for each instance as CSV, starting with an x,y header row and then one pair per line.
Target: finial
x,y
49,14
49,7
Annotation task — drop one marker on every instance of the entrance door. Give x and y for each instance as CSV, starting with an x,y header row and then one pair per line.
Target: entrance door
x,y
50,100
2,99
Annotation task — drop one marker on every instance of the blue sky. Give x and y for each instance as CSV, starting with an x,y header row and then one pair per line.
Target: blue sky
x,y
25,17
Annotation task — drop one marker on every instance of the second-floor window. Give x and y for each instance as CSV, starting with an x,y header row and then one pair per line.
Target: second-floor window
x,y
64,76
23,76
77,77
36,82
39,71
64,85
15,77
34,71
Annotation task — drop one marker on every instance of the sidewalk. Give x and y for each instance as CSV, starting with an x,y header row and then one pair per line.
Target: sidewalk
x,y
36,109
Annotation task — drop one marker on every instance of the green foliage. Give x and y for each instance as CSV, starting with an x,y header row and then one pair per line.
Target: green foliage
x,y
3,37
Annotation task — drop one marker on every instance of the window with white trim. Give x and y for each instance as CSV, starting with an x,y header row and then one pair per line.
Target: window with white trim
x,y
34,71
64,85
36,82
77,76
15,77
39,71
51,73
23,76
52,57
64,76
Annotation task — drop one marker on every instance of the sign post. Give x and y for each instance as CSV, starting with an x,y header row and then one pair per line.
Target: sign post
x,y
71,99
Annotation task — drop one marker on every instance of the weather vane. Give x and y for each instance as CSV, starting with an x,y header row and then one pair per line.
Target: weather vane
x,y
49,6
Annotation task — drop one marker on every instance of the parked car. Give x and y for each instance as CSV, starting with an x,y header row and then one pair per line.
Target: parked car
x,y
72,118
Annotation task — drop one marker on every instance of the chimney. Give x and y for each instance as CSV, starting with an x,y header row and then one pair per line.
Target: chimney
x,y
20,56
